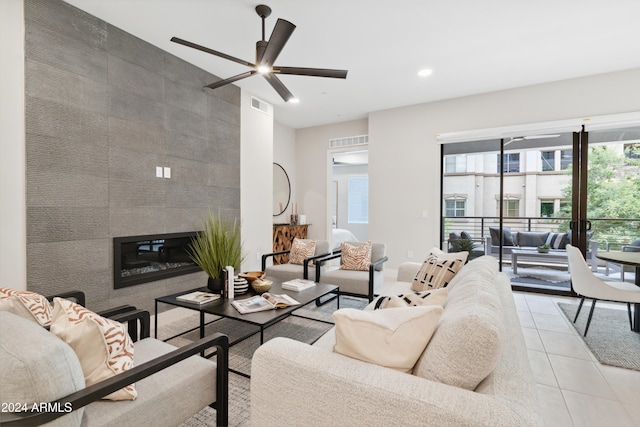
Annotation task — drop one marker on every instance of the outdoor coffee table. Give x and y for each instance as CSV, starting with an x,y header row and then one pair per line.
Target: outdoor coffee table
x,y
263,319
534,254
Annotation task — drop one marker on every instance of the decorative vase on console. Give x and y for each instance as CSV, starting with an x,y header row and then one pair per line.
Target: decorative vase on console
x,y
215,247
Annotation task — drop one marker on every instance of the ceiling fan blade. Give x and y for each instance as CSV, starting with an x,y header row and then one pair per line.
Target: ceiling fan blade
x,y
281,33
279,87
211,51
317,72
231,79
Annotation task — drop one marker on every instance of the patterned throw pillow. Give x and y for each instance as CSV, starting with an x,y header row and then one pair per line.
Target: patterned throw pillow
x,y
435,273
557,240
26,304
301,250
103,346
356,257
435,297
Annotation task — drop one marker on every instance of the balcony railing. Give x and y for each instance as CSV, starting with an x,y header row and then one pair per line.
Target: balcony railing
x,y
610,233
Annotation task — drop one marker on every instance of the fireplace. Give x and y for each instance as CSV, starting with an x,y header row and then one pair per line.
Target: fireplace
x,y
141,259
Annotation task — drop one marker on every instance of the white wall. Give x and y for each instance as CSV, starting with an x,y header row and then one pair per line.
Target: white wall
x,y
341,174
404,158
313,171
13,222
256,182
284,153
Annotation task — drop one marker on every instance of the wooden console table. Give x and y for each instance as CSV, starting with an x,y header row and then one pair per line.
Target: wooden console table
x,y
283,235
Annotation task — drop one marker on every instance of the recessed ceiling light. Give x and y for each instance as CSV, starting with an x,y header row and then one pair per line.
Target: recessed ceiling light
x,y
294,100
425,72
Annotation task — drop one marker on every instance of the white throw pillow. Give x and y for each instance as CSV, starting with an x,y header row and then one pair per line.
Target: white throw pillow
x,y
102,345
393,338
28,305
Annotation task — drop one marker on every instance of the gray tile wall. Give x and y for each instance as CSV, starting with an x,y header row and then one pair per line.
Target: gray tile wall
x,y
103,109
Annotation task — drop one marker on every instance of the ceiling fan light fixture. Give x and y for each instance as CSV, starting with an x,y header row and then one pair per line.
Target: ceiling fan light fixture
x,y
294,101
264,69
425,72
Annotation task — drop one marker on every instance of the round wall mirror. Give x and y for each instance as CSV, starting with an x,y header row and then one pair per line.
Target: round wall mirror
x,y
281,190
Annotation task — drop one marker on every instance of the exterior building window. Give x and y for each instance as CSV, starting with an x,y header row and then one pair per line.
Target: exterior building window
x,y
511,208
548,160
455,164
455,207
566,158
358,200
546,208
510,164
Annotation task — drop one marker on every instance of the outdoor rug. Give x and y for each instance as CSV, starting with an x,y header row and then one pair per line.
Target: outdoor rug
x,y
540,276
240,355
609,338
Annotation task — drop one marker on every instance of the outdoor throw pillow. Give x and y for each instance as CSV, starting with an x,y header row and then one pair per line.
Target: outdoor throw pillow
x,y
356,257
437,271
301,250
393,338
507,237
102,345
26,304
436,297
557,240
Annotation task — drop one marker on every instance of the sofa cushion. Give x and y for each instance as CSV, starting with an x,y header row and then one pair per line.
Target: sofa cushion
x,y
557,240
507,237
26,304
532,238
301,250
438,269
102,345
432,297
356,257
393,338
37,366
465,235
469,339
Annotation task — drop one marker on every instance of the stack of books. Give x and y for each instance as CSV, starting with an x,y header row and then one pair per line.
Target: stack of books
x,y
298,285
199,297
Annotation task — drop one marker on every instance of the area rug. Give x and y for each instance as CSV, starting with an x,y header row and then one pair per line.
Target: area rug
x,y
609,338
240,355
540,276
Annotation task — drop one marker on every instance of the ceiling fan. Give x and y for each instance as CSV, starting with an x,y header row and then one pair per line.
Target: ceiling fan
x,y
266,54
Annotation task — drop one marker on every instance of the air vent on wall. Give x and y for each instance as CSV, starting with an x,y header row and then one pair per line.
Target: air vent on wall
x,y
259,105
349,142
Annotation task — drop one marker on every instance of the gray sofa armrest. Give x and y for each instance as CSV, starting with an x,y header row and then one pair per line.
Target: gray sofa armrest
x,y
322,388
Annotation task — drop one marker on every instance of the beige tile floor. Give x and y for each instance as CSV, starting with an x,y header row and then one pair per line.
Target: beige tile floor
x,y
574,389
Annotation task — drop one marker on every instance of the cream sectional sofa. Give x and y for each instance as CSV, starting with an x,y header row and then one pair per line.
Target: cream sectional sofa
x,y
293,383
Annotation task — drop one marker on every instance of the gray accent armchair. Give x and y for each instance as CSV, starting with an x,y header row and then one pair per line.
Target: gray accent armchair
x,y
351,282
173,384
290,271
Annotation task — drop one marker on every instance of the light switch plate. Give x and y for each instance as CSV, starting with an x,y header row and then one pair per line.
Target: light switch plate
x,y
167,172
158,171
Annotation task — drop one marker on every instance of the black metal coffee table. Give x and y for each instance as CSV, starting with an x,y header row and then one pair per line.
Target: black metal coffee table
x,y
262,319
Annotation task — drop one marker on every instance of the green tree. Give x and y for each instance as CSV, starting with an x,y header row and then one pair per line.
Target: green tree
x,y
613,185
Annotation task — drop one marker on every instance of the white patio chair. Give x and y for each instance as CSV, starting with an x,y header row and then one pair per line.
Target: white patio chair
x,y
588,285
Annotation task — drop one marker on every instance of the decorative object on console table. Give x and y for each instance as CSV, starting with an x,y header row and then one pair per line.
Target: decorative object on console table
x,y
215,247
283,235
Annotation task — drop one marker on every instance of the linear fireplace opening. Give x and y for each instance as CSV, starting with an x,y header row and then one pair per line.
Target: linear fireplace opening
x,y
141,259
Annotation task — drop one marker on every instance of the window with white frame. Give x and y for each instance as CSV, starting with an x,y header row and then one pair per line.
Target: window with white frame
x,y
455,164
455,207
510,163
548,159
511,207
358,200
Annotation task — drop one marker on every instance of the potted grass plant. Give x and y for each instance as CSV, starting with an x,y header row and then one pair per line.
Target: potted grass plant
x,y
215,247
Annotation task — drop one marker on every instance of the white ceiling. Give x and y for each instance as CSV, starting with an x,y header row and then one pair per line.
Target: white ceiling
x,y
472,46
